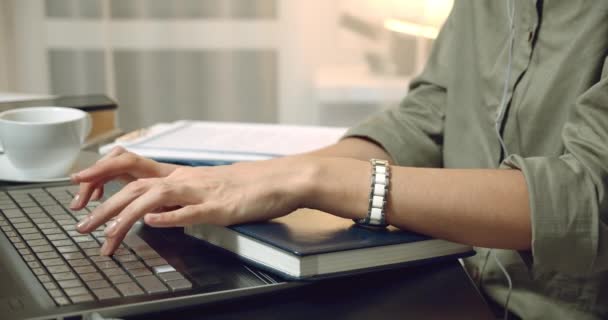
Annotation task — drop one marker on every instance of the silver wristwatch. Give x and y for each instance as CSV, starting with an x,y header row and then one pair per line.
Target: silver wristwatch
x,y
378,195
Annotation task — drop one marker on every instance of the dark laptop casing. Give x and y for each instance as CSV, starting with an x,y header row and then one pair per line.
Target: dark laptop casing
x,y
215,275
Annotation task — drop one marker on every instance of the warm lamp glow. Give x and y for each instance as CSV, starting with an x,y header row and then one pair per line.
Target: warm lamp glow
x,y
410,28
426,23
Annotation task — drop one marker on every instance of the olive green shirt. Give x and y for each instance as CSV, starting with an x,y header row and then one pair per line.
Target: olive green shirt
x,y
555,130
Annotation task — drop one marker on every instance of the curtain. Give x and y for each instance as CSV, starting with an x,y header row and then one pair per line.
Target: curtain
x,y
167,60
7,53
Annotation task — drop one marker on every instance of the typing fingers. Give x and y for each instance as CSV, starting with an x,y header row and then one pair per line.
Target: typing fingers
x,y
94,190
157,195
188,215
114,205
114,166
174,218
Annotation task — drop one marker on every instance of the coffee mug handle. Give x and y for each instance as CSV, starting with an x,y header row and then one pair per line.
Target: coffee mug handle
x,y
86,129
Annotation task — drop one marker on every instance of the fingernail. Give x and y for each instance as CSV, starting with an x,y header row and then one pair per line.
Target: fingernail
x,y
83,223
74,177
75,201
150,218
109,230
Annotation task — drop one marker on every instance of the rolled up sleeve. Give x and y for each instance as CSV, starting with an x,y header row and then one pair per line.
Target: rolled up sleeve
x,y
412,132
568,194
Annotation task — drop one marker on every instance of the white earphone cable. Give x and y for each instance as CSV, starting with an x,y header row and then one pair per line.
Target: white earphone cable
x,y
500,116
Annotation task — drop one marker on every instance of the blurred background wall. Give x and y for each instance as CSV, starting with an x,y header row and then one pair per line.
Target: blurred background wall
x,y
289,61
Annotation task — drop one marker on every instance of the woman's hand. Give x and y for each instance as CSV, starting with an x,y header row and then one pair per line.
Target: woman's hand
x,y
118,164
180,196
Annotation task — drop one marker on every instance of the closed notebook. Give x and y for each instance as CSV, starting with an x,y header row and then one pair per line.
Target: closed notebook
x,y
310,244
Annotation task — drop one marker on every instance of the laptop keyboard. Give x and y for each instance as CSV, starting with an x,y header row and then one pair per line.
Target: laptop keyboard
x,y
41,227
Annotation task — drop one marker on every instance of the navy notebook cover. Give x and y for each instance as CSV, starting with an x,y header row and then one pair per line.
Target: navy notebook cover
x,y
307,232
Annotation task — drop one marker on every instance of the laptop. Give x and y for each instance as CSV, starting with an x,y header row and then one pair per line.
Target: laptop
x,y
49,270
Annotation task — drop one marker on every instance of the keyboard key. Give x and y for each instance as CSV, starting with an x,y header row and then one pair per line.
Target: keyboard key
x,y
57,236
96,284
133,265
122,252
85,269
73,255
18,220
27,230
94,276
23,225
106,264
62,301
73,233
55,293
75,291
13,213
91,252
32,210
126,258
64,276
119,279
17,240
52,231
45,278
43,248
151,284
139,272
24,251
59,269
53,262
37,215
69,283
82,298
82,239
147,254
129,289
113,272
34,264
79,262
32,236
19,245
42,222
28,257
39,271
68,249
49,285
54,209
62,243
11,233
47,255
156,262
28,204
181,284
106,293
37,242
64,220
88,245
6,206
48,225
100,258
68,225
163,269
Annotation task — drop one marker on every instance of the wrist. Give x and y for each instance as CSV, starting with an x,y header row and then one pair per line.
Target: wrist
x,y
339,186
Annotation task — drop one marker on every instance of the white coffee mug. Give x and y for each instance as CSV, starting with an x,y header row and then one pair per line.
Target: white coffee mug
x,y
43,142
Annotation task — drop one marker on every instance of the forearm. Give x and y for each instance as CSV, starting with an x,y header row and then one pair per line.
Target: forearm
x,y
487,208
356,148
